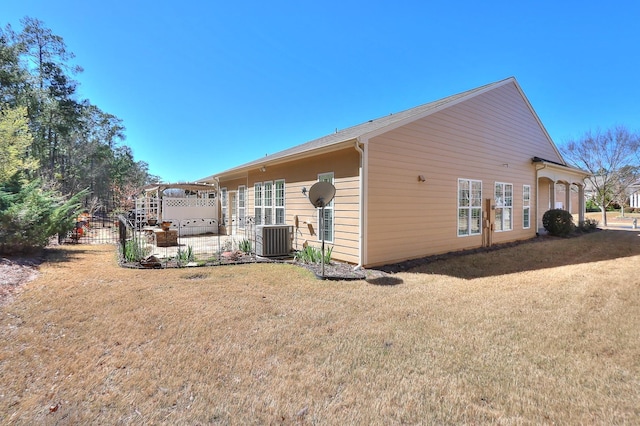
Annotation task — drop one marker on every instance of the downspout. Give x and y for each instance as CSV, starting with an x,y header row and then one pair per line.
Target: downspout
x,y
219,203
360,205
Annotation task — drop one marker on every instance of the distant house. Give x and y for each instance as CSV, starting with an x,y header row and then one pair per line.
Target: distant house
x,y
466,171
598,181
634,195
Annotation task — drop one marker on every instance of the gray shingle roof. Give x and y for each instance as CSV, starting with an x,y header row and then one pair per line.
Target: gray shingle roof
x,y
372,126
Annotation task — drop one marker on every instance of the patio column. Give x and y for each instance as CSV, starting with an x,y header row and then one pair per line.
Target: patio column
x,y
567,197
552,195
581,204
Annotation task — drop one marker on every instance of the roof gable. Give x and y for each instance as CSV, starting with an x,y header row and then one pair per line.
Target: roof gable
x,y
381,125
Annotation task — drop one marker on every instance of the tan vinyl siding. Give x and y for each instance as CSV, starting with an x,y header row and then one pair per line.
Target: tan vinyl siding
x,y
344,164
233,184
491,137
489,134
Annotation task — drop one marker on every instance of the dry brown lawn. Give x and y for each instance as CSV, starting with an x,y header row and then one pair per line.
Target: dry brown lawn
x,y
545,332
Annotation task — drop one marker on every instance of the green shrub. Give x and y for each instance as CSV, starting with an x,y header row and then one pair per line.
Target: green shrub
x,y
31,213
558,222
591,206
245,246
185,256
313,255
134,251
589,225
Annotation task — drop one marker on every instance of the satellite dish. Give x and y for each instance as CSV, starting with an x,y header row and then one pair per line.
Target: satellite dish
x,y
321,193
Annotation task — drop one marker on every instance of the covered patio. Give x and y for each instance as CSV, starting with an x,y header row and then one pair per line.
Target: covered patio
x,y
559,187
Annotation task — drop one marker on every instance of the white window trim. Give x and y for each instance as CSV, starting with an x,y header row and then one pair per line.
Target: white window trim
x,y
260,206
329,177
224,205
258,191
469,208
267,208
502,207
276,207
526,205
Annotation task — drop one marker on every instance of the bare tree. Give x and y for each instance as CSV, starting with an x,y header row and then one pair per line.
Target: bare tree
x,y
611,157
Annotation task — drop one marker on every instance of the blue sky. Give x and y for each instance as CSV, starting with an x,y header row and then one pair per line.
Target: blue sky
x,y
202,86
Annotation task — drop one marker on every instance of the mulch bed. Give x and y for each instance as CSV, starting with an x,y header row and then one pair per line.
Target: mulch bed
x,y
332,271
15,271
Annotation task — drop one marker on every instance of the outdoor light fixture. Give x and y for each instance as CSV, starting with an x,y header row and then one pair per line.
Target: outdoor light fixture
x,y
263,169
421,178
304,190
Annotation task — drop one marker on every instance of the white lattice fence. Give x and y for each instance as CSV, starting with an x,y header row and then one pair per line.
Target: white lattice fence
x,y
189,202
191,215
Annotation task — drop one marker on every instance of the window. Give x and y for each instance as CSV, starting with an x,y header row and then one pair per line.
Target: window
x,y
269,206
526,206
469,207
268,203
224,205
326,225
257,202
504,206
241,206
280,217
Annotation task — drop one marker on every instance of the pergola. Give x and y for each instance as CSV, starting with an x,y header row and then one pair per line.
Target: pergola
x,y
186,213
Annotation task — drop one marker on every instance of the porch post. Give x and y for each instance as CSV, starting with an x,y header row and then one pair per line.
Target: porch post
x,y
552,195
567,201
581,204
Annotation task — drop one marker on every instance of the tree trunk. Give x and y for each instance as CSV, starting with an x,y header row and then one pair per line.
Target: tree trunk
x,y
604,216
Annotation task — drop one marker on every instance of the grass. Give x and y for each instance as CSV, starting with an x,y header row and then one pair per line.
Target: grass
x,y
545,332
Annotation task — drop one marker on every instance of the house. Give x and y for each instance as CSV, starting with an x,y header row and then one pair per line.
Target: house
x,y
470,170
598,182
634,195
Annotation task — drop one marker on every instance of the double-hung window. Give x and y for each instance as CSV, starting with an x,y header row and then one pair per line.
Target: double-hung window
x,y
269,203
224,205
526,206
469,207
279,202
326,224
504,206
257,202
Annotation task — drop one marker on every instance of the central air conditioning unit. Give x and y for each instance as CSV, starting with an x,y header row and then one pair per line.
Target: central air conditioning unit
x,y
273,240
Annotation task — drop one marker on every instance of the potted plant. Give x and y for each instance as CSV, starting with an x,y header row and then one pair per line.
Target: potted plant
x,y
152,220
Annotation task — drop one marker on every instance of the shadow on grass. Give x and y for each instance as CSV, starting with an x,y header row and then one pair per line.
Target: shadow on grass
x,y
52,254
536,254
385,281
62,254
